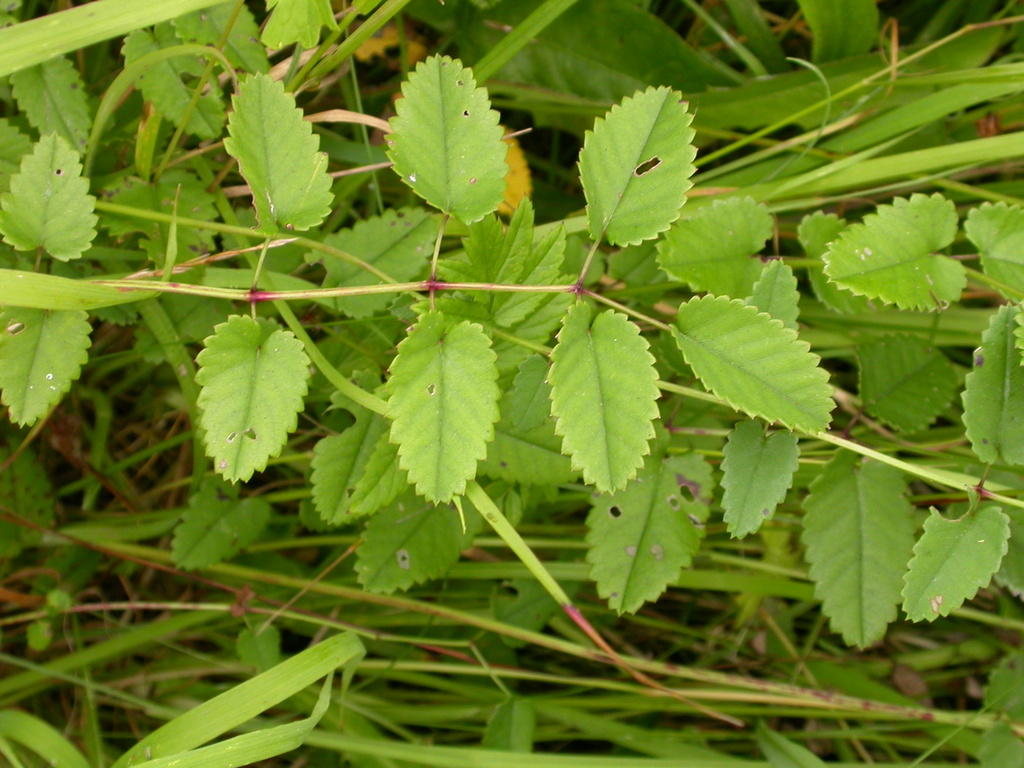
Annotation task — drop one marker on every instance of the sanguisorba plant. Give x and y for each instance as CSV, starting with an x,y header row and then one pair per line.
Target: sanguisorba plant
x,y
502,376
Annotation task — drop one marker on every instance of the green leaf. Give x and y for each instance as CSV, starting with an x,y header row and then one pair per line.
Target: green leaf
x,y
52,97
206,27
1001,748
14,145
840,28
757,471
446,142
530,456
382,479
49,205
444,402
278,155
604,396
775,293
217,526
530,402
260,650
715,249
1011,570
994,393
511,727
636,165
38,291
815,233
41,353
169,83
28,491
997,231
253,380
904,381
783,753
891,255
858,531
338,460
1005,690
642,537
399,243
297,21
952,560
754,363
410,542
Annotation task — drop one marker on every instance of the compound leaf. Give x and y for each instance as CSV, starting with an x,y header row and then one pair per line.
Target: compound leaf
x,y
891,255
338,461
279,156
169,83
206,27
49,205
41,353
642,537
446,142
253,378
444,402
904,381
715,249
952,560
411,541
858,531
603,395
636,165
297,21
998,233
775,293
398,243
994,393
53,98
216,526
754,363
757,471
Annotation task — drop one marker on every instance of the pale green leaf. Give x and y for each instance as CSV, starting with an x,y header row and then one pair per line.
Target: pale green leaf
x,y
169,83
40,291
49,205
398,242
217,526
41,353
52,97
1001,747
206,27
815,233
840,28
858,531
952,560
643,536
25,489
410,542
994,393
279,156
531,456
775,293
511,727
381,481
636,165
14,145
783,753
297,21
444,402
338,461
530,403
445,140
603,395
253,378
892,257
997,231
904,381
757,471
754,363
715,250
261,650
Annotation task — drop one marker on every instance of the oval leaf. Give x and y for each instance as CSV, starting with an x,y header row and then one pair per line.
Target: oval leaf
x,y
444,402
278,155
757,471
41,353
953,559
253,380
49,205
998,233
891,255
446,142
604,396
636,165
754,363
338,461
